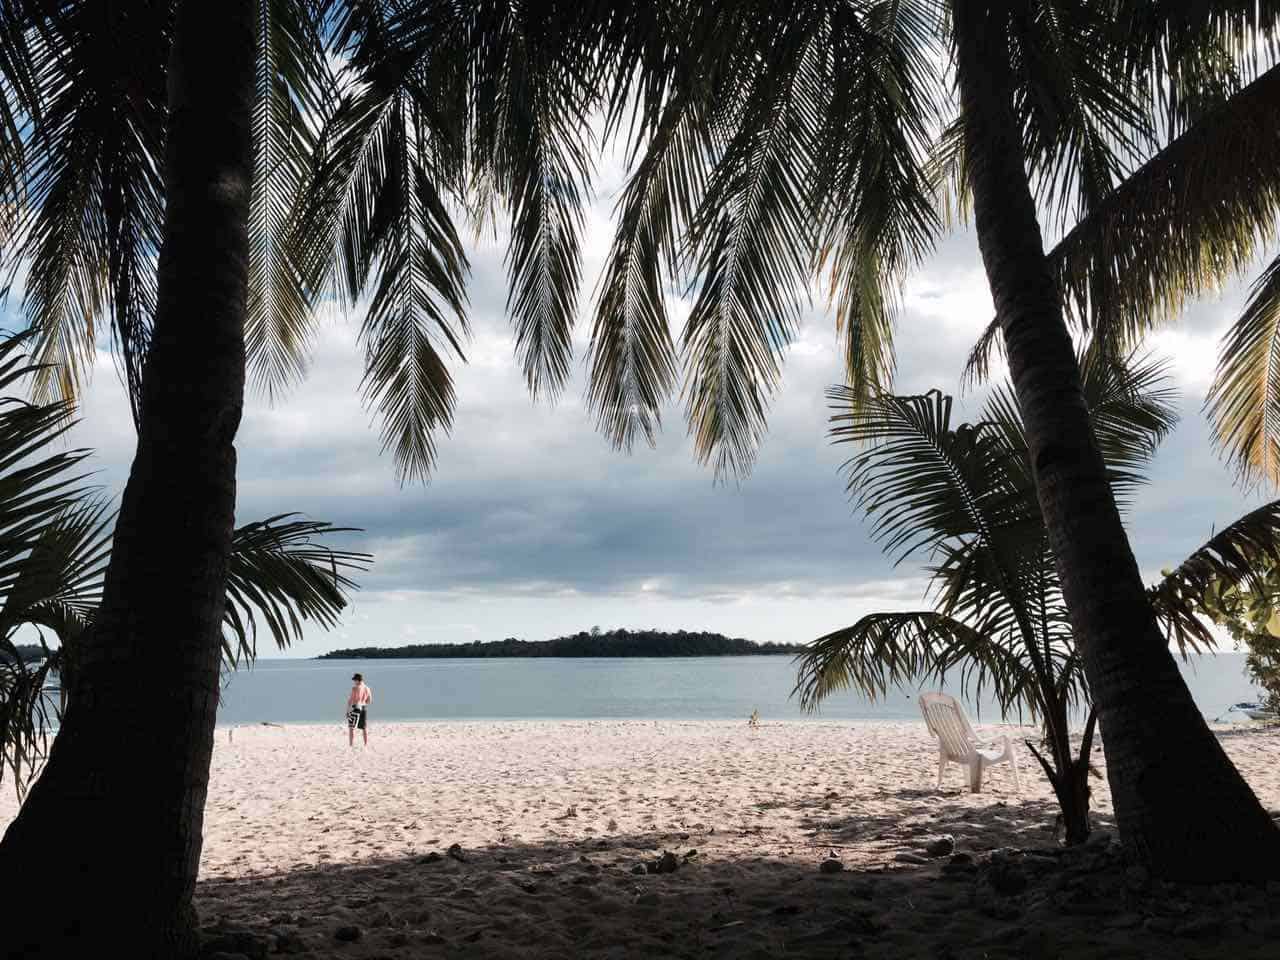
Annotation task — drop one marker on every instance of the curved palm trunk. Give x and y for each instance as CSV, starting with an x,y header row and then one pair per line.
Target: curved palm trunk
x,y
111,832
1182,808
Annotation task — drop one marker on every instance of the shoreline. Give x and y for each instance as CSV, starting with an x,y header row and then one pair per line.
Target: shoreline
x,y
377,723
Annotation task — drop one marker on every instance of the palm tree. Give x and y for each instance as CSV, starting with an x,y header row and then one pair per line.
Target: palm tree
x,y
782,140
56,547
772,141
964,495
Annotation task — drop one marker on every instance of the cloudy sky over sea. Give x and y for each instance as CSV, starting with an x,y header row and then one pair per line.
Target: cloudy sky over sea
x,y
533,526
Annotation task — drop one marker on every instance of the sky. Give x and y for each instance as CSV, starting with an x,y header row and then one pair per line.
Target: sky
x,y
533,526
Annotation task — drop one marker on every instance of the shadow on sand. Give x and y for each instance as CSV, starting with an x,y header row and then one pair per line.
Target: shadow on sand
x,y
595,897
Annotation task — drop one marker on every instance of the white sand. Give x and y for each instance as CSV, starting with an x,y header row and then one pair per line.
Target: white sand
x,y
304,835
298,796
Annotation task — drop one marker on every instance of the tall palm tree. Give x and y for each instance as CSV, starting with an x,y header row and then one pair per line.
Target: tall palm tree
x,y
157,632
964,495
162,191
784,139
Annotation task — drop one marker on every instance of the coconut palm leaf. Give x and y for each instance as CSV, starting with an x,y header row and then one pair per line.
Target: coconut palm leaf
x,y
281,575
873,194
1132,405
1240,555
631,357
378,224
1197,212
890,650
1083,125
748,246
292,84
40,493
922,480
89,226
531,139
59,583
1244,401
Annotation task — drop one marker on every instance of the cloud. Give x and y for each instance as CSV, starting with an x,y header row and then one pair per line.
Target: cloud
x,y
533,525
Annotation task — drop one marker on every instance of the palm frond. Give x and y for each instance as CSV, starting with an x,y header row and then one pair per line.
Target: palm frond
x,y
984,354
1132,406
1196,213
379,224
46,546
1195,55
58,584
873,192
532,140
24,47
280,575
749,246
891,650
1244,401
922,480
1083,123
1240,555
89,229
631,358
293,83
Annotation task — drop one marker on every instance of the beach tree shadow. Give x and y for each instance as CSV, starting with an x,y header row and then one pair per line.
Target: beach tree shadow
x,y
610,897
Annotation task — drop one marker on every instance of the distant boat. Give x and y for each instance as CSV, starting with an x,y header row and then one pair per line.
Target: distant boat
x,y
1254,711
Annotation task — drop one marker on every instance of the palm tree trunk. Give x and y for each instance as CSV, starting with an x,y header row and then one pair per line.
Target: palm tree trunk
x,y
1181,807
110,835
1070,786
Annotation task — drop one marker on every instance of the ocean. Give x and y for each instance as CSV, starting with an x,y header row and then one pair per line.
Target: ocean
x,y
702,688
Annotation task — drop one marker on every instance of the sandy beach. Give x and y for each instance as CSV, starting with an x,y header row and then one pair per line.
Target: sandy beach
x,y
544,839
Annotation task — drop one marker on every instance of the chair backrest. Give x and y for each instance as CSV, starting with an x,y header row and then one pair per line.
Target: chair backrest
x,y
946,720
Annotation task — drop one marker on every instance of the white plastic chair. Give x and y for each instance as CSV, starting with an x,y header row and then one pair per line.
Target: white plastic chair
x,y
957,743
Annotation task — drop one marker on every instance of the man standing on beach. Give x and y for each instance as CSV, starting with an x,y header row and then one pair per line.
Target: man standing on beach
x,y
358,710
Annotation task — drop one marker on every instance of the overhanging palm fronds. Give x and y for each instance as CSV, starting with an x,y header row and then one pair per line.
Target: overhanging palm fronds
x,y
293,85
1196,213
632,357
1244,401
871,192
376,219
282,575
1240,556
90,223
530,138
889,650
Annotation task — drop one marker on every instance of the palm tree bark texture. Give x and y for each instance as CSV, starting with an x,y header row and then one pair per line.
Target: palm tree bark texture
x,y
110,834
1181,807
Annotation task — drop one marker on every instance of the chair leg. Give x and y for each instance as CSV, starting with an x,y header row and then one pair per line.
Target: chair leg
x,y
975,775
1013,762
942,765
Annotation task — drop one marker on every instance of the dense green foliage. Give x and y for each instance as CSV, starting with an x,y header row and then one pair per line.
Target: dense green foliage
x,y
593,643
1250,611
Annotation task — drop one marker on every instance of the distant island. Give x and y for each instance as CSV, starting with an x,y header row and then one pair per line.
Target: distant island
x,y
27,653
588,643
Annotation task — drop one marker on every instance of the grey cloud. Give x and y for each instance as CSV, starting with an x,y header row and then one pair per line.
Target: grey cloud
x,y
531,511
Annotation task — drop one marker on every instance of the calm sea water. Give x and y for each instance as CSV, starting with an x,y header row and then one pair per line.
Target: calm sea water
x,y
315,691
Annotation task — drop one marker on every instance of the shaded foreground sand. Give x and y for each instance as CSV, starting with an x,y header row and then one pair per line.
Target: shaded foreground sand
x,y
315,849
